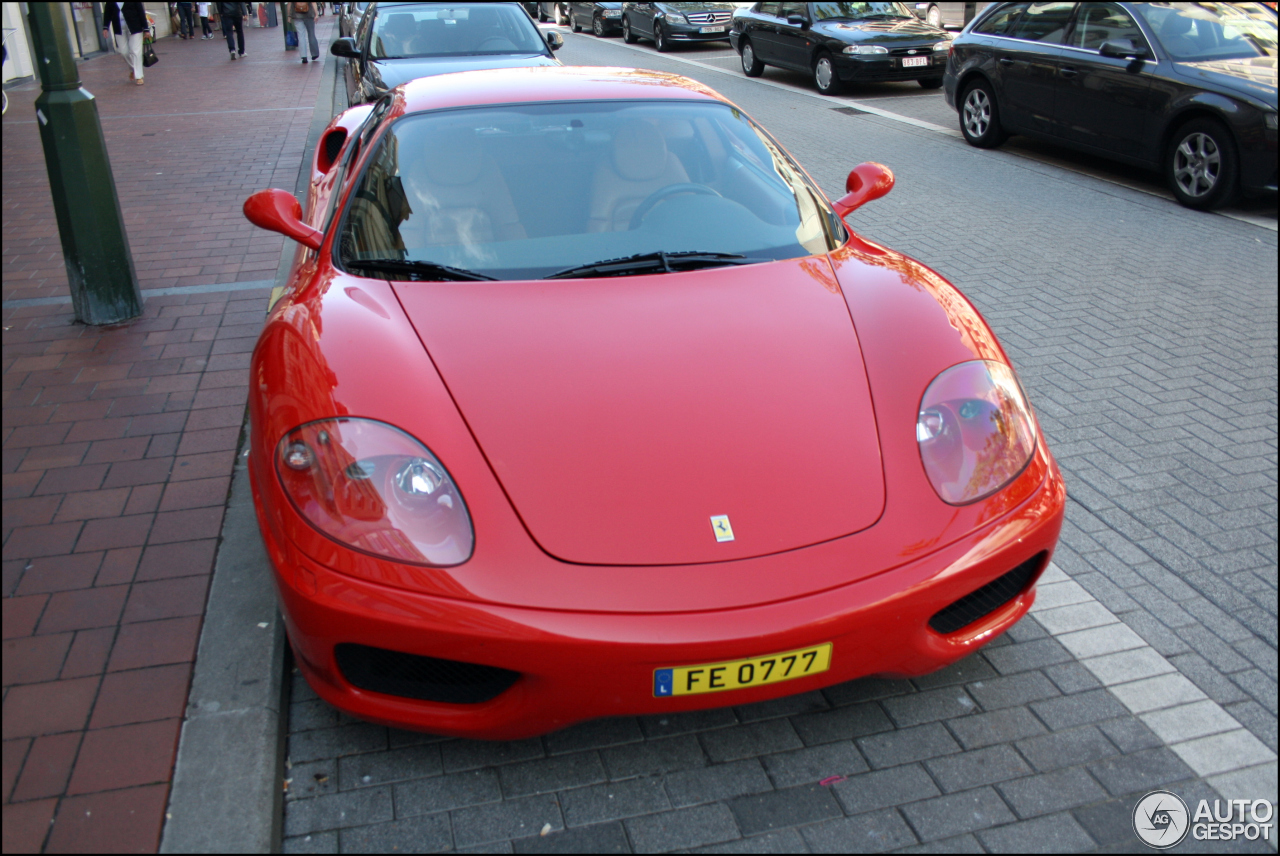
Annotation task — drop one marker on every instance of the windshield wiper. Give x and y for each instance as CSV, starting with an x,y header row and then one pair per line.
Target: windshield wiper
x,y
419,271
658,262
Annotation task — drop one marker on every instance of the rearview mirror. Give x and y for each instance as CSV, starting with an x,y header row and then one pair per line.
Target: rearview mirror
x,y
555,41
279,211
868,181
797,20
346,47
1122,49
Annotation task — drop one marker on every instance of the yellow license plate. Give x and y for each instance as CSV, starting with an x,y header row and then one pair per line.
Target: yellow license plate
x,y
740,674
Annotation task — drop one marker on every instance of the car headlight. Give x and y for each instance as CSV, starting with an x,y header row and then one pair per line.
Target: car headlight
x,y
613,13
377,489
865,49
676,18
944,45
975,431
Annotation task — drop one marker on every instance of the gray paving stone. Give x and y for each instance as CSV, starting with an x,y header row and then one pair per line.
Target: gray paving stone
x,y
1079,709
1140,771
399,738
865,689
785,706
321,842
1027,629
334,811
1125,666
929,706
787,807
907,745
966,843
978,767
1066,748
1155,693
429,833
744,741
488,847
461,755
1029,655
998,726
1211,682
1222,753
968,811
778,841
1259,686
1129,734
378,768
896,786
814,764
1188,721
594,734
505,820
1050,792
327,743
1109,823
718,782
1154,633
682,829
654,756
312,779
875,832
441,793
599,803
975,667
1056,834
314,713
1260,722
1072,677
545,775
1012,690
842,723
671,724
601,838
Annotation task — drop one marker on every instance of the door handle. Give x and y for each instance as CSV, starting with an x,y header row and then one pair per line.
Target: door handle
x,y
1068,71
1004,60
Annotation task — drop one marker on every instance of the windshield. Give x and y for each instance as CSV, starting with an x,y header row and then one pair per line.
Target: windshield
x,y
464,29
470,189
1194,32
825,11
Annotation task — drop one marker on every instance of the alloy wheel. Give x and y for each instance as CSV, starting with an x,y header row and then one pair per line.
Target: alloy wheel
x,y
977,113
934,16
1197,164
597,26
824,73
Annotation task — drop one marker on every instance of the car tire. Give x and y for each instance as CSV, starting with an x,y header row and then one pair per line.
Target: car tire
x,y
980,117
573,22
628,35
933,16
597,26
930,82
660,40
562,14
1201,164
825,76
751,64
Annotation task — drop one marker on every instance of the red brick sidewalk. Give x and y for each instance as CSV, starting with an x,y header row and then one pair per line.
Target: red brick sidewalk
x,y
119,441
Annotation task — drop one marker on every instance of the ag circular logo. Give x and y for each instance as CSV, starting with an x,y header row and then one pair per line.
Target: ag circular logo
x,y
1160,819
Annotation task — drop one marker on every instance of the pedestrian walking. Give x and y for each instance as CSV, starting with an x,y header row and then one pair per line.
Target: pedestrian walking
x,y
127,24
186,21
233,15
206,32
306,13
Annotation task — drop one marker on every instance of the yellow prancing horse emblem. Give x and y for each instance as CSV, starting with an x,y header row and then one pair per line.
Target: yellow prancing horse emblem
x,y
721,526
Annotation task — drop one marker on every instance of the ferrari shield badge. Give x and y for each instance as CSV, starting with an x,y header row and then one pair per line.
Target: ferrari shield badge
x,y
721,526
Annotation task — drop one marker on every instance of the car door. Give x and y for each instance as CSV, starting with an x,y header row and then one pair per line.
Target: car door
x,y
761,28
793,40
1104,102
640,16
1026,66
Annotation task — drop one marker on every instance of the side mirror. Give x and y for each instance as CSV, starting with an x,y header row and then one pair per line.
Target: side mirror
x,y
797,20
868,181
346,47
1122,49
555,41
279,211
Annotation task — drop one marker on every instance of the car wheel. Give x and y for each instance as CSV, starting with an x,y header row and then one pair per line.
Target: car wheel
x,y
562,15
824,74
1201,164
980,117
934,16
573,22
751,66
930,82
597,26
660,40
628,35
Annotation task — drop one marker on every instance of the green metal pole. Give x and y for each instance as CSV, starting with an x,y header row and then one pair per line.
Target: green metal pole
x,y
104,285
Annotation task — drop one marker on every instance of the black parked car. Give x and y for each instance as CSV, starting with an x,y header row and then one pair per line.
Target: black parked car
x,y
397,42
1189,89
667,23
841,43
603,19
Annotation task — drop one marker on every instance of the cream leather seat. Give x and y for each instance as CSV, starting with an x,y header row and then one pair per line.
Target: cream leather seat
x,y
638,165
457,194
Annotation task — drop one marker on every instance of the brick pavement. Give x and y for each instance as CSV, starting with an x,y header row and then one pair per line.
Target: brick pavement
x,y
119,441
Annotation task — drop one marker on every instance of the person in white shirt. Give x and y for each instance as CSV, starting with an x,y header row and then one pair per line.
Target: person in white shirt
x,y
202,9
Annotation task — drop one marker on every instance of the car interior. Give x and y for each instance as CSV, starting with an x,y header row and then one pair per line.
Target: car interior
x,y
450,31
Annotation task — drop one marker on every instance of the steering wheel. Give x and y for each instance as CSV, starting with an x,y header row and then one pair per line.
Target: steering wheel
x,y
661,194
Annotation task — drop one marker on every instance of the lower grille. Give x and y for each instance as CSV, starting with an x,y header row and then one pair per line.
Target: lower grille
x,y
427,678
986,600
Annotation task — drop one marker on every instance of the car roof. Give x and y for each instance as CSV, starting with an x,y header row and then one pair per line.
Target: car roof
x,y
565,83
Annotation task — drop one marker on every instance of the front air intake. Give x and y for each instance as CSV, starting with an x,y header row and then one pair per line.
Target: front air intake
x,y
986,600
427,678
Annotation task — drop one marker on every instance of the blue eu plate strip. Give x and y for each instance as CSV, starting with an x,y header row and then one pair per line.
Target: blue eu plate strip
x,y
662,682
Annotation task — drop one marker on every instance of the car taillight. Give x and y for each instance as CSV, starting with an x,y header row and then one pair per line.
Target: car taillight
x,y
377,489
975,431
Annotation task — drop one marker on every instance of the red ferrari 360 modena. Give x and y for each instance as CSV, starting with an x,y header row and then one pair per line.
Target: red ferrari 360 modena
x,y
657,434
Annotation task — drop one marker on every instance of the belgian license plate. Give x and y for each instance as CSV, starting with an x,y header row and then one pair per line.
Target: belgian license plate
x,y
913,61
712,29
740,674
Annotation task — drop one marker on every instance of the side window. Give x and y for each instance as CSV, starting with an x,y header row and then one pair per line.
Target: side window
x,y
1000,23
1102,22
767,9
786,10
1044,22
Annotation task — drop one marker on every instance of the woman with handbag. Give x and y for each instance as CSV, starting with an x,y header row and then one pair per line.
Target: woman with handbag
x,y
127,33
306,13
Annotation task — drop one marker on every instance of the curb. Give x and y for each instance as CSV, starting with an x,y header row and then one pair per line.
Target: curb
x,y
227,795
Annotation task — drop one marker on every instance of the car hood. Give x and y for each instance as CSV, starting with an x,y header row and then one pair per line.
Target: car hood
x,y
389,73
620,415
1251,76
882,31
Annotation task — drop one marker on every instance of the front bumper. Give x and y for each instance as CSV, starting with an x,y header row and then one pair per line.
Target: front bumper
x,y
575,666
852,69
693,32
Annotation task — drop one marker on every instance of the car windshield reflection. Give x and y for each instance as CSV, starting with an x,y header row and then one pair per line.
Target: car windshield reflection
x,y
463,29
1200,32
